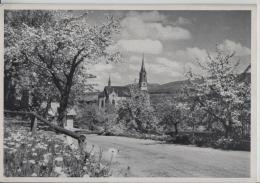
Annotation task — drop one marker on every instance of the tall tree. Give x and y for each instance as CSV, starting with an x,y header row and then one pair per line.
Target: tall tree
x,y
222,93
137,112
171,114
13,63
58,49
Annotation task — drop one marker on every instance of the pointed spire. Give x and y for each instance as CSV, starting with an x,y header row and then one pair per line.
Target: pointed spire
x,y
109,81
143,68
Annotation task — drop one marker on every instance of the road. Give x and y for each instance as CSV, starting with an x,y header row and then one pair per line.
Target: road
x,y
148,158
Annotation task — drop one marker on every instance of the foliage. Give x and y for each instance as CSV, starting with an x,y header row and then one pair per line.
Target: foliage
x,y
232,144
171,114
54,52
223,95
47,155
136,111
179,139
14,71
88,117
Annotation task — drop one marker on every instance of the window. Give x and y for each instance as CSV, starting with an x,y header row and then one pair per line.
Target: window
x,y
113,102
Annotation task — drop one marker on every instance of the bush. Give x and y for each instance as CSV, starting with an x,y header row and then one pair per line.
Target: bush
x,y
202,141
179,139
232,144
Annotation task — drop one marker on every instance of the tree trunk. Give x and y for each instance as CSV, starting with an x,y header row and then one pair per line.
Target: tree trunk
x,y
176,128
48,106
62,111
228,127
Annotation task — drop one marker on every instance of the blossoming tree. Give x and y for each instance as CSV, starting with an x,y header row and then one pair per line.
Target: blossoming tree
x,y
59,52
222,93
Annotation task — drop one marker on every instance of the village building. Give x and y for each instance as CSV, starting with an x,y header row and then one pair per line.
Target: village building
x,y
111,95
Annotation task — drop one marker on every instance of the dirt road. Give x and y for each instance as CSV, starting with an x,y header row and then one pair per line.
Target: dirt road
x,y
144,158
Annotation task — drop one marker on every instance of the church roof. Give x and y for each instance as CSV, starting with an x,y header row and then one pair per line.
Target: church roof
x,y
121,91
101,94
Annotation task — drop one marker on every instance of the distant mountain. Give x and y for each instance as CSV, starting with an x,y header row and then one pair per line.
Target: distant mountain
x,y
167,88
176,86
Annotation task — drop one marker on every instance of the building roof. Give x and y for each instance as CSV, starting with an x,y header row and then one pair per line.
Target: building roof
x,y
71,112
101,94
121,91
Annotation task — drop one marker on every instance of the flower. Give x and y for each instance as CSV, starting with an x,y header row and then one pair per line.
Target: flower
x,y
59,158
34,154
46,157
34,175
32,161
58,170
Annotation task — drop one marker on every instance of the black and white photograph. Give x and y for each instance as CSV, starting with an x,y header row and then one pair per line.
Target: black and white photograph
x,y
127,93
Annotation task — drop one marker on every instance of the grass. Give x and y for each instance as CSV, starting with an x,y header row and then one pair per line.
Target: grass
x,y
47,155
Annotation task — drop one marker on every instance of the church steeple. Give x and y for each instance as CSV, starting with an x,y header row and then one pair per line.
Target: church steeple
x,y
143,68
109,82
142,77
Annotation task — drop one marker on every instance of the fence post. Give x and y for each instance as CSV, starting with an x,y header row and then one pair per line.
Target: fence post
x,y
82,143
33,125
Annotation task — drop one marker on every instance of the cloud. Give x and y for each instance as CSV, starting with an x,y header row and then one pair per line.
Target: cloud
x,y
168,63
115,76
149,25
231,46
148,16
159,71
162,69
100,67
159,31
141,46
192,54
182,21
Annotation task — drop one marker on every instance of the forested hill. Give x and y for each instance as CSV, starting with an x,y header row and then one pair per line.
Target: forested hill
x,y
175,86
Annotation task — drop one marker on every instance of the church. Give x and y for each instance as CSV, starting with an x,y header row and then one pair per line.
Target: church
x,y
112,94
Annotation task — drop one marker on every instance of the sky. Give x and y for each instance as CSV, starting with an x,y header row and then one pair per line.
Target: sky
x,y
171,41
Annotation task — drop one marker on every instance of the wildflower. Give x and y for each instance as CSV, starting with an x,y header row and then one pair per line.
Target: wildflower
x,y
32,161
46,157
11,143
63,174
86,175
59,158
34,175
42,163
58,170
34,154
85,168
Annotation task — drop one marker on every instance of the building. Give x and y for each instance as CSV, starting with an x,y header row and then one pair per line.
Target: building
x,y
112,94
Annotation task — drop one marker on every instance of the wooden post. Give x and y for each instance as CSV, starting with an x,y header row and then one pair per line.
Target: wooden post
x,y
33,125
82,143
81,138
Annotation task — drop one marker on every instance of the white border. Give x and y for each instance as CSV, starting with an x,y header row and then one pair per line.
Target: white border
x,y
131,1
197,6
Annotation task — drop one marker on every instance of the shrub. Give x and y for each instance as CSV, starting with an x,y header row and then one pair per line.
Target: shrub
x,y
179,139
232,144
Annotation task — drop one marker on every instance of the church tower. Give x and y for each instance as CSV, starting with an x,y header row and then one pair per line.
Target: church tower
x,y
109,82
143,77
